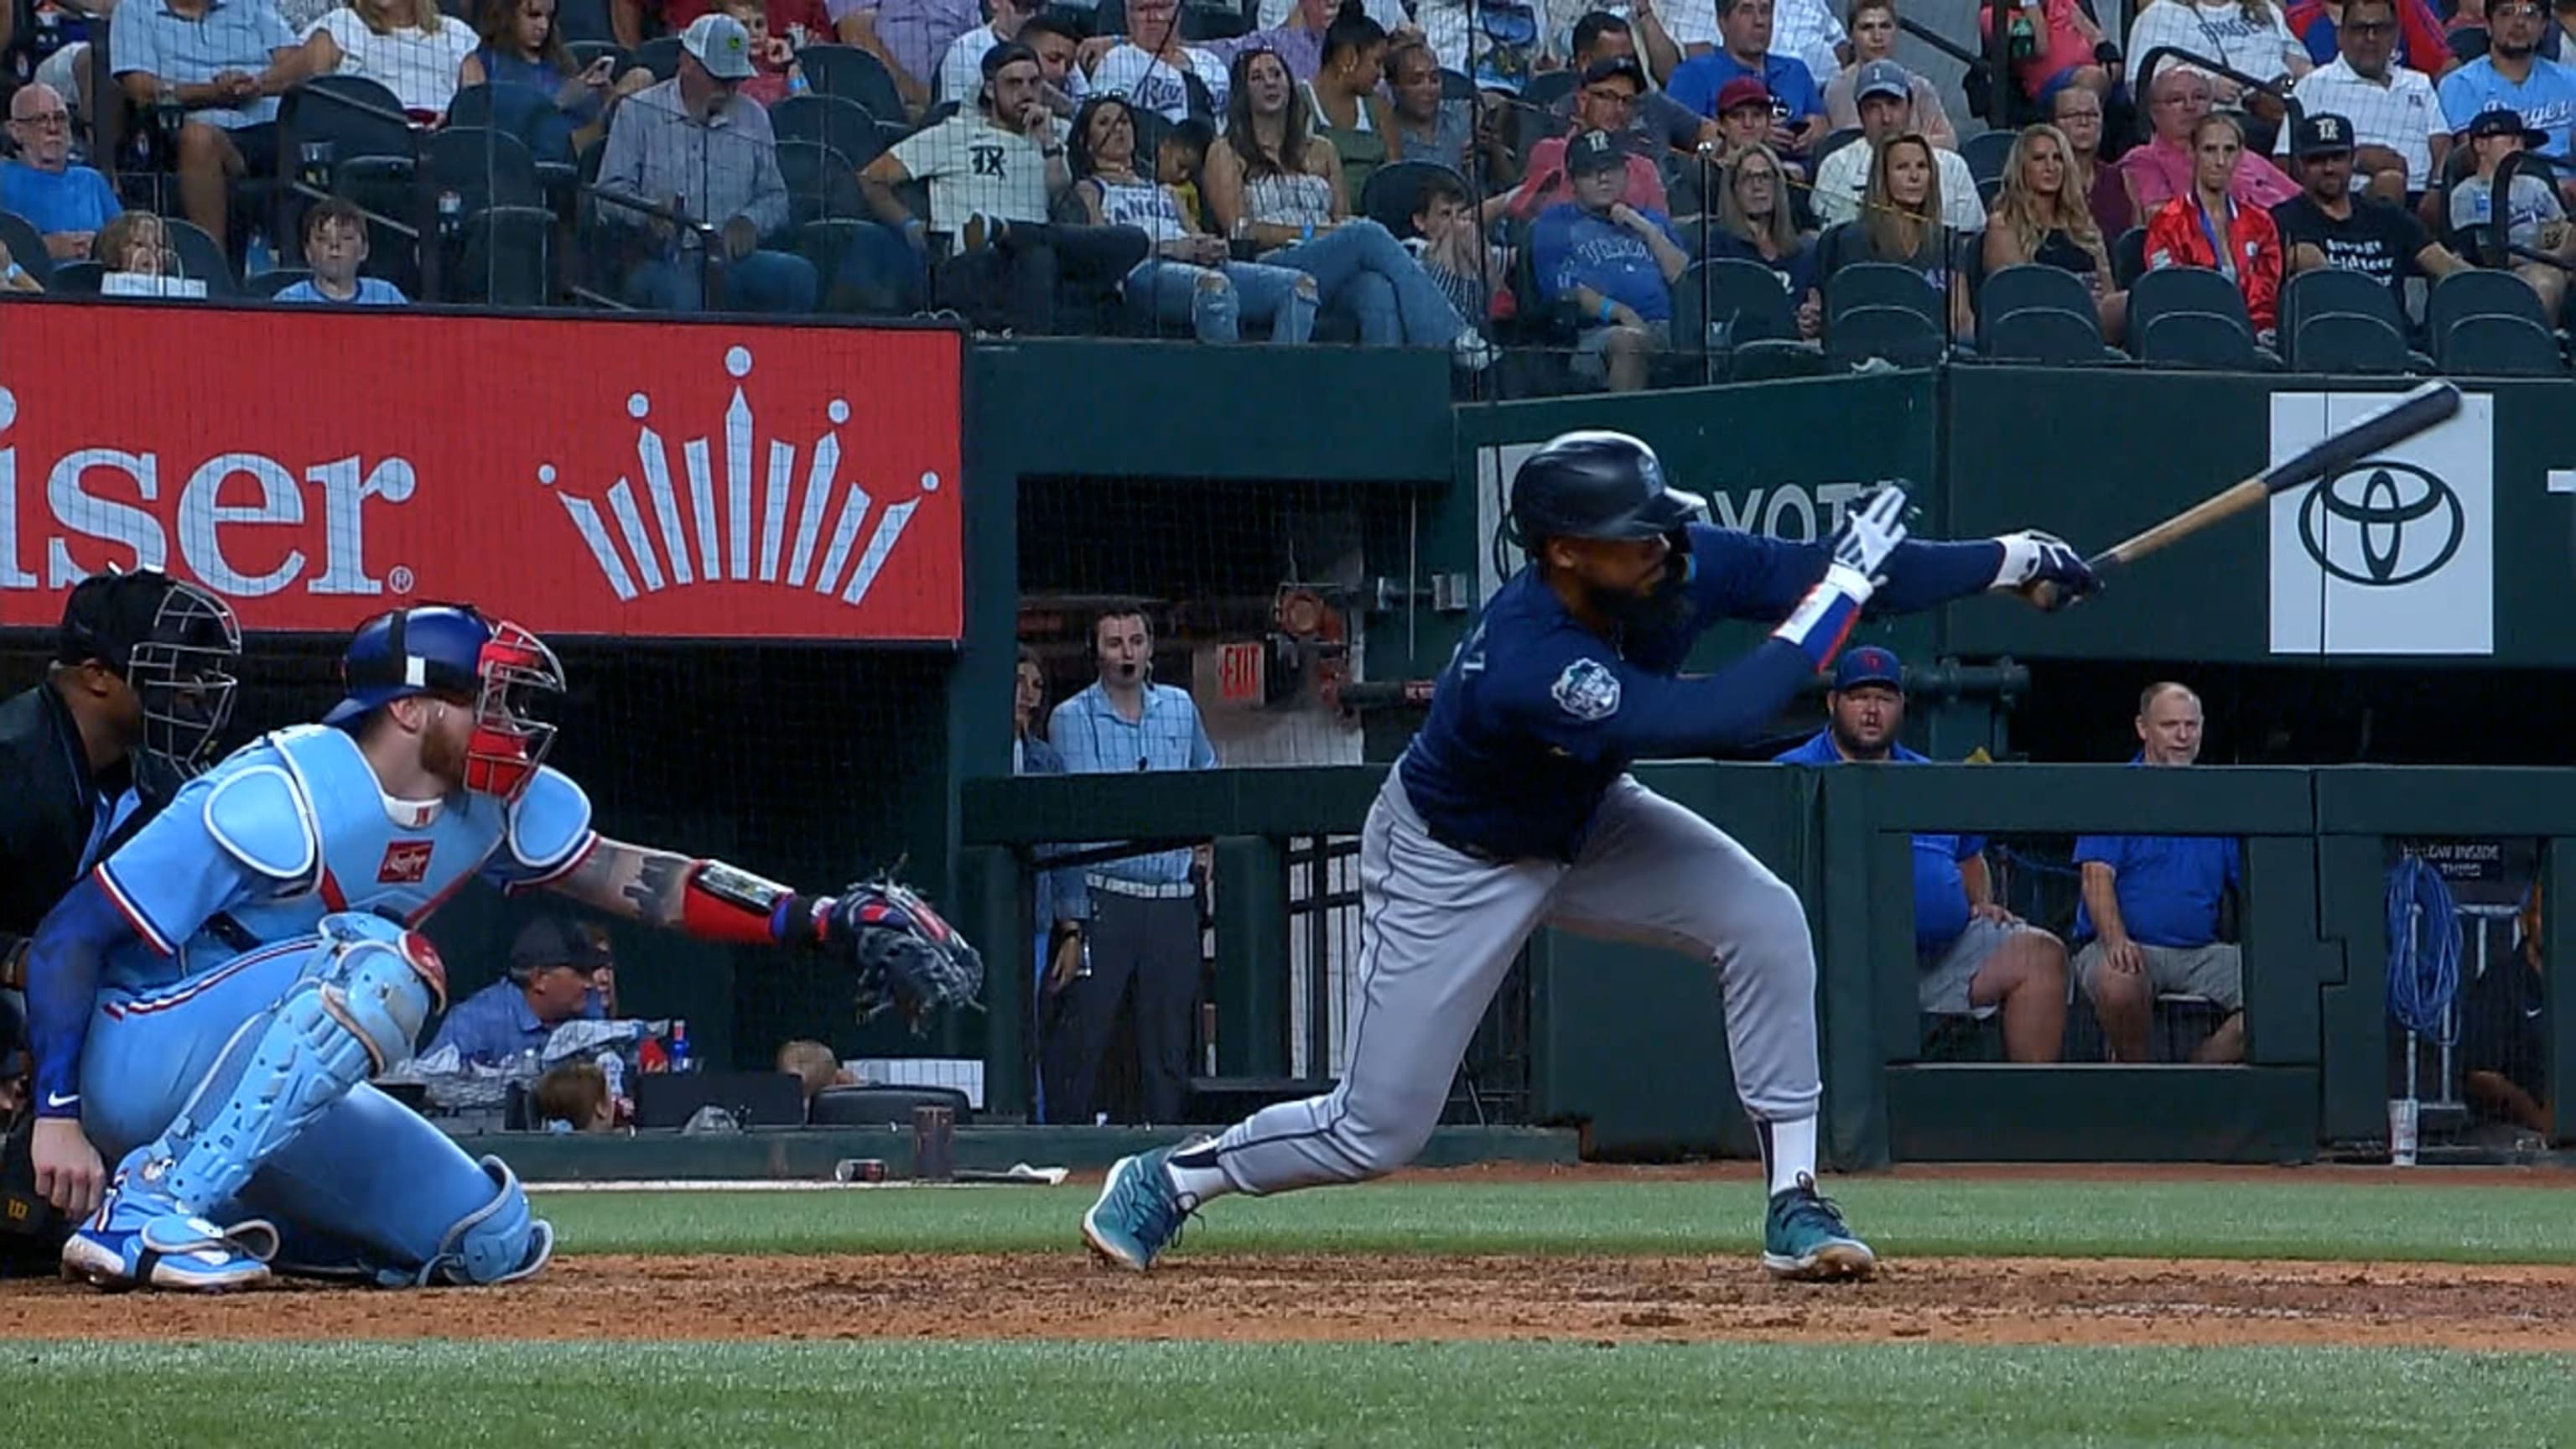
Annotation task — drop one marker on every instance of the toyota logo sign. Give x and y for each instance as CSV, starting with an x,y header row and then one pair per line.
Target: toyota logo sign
x,y
2382,524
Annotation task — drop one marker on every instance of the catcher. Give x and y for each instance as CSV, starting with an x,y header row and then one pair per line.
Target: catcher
x,y
208,1004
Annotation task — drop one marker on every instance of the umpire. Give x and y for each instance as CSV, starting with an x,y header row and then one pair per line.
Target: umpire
x,y
140,684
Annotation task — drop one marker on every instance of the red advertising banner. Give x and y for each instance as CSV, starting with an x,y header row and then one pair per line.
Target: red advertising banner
x,y
665,479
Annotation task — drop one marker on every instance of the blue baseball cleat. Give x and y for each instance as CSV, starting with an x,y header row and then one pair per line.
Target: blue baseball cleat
x,y
1139,1211
146,1242
1804,1238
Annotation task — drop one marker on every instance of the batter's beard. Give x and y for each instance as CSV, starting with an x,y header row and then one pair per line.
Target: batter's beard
x,y
1661,608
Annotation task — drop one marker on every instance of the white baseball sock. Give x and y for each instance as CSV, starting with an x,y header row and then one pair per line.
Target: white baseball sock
x,y
1791,1148
1195,1175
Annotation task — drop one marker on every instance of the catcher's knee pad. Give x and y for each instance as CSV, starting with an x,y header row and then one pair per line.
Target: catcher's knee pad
x,y
355,1011
501,1242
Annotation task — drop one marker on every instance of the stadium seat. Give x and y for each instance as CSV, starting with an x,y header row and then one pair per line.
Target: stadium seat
x,y
2173,338
504,258
77,279
2493,345
1986,153
2129,257
2327,289
2479,293
2186,289
2031,284
820,182
1213,20
835,121
583,21
2055,336
882,1106
1394,192
1881,284
201,257
1454,85
1547,88
853,75
26,247
1898,334
516,110
1737,312
470,168
586,53
2345,342
661,56
268,284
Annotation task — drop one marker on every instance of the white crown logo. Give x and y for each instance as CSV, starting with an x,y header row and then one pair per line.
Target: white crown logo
x,y
723,552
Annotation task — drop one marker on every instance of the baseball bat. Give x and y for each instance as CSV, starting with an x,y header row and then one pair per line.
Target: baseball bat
x,y
2426,407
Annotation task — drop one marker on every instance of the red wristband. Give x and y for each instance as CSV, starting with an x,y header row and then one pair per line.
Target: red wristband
x,y
719,902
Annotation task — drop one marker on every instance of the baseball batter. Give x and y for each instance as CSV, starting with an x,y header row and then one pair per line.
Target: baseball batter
x,y
1514,807
209,1002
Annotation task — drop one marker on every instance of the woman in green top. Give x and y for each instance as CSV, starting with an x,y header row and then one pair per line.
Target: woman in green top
x,y
1344,98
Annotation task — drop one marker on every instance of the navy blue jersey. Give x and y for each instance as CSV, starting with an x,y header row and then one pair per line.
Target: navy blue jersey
x,y
1537,715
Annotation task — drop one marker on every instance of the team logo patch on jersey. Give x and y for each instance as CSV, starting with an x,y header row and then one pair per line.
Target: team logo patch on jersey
x,y
406,863
1587,690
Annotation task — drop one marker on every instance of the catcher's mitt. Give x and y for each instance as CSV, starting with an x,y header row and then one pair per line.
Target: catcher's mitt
x,y
909,960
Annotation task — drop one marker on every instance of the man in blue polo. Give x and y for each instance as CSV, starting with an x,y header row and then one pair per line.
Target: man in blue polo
x,y
1744,30
2151,905
559,971
1975,957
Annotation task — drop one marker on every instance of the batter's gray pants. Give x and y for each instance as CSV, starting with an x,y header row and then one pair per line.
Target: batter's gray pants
x,y
1440,929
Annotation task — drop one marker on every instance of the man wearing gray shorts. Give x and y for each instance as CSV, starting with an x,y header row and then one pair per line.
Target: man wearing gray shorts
x,y
2151,904
1976,958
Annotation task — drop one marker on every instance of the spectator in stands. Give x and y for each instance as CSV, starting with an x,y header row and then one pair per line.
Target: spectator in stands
x,y
2398,134
1063,902
2063,55
703,155
1429,127
2504,1032
961,70
1053,42
1745,119
1343,98
522,45
2041,217
66,204
1658,126
1900,223
815,1066
14,277
1605,101
1189,276
1798,108
1451,246
1152,68
2537,219
1806,31
1975,958
1497,44
574,1097
1272,183
910,36
2209,228
1873,38
1615,263
136,243
774,74
1180,161
206,57
1755,222
335,246
798,22
1299,37
2326,225
1887,111
2249,36
410,47
2077,113
995,171
2162,169
1144,930
552,966
2422,42
2515,76
2148,922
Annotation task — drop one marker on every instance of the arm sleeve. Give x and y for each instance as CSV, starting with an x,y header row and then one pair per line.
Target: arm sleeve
x,y
1659,716
1740,575
1066,886
62,988
621,167
1072,746
2098,850
1547,254
133,43
1202,752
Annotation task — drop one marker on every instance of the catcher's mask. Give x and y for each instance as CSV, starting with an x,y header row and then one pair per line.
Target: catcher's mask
x,y
503,673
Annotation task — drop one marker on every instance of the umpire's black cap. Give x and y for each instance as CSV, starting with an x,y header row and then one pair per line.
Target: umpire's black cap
x,y
1596,484
109,613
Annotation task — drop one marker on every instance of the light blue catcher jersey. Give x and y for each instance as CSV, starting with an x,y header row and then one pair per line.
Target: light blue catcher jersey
x,y
296,826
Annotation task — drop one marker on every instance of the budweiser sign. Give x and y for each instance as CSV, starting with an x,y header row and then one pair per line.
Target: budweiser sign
x,y
583,476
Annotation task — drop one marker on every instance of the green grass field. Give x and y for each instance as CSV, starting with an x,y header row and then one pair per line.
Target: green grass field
x,y
448,1395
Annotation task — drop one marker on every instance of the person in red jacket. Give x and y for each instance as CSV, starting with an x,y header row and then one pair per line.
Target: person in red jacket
x,y
2208,228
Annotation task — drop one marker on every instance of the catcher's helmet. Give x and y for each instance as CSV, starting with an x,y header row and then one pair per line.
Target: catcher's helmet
x,y
1596,485
505,674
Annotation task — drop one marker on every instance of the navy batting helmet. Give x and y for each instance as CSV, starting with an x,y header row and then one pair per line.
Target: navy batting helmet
x,y
1596,485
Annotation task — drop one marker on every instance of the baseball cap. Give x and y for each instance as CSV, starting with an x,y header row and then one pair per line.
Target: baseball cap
x,y
2506,121
1593,151
1869,664
1621,66
1882,78
2323,134
557,941
1743,91
718,42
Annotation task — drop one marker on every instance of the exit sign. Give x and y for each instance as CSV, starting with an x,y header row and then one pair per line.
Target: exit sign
x,y
1239,671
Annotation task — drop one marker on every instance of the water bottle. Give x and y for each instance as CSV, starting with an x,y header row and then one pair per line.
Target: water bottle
x,y
2025,35
258,256
613,1068
681,1060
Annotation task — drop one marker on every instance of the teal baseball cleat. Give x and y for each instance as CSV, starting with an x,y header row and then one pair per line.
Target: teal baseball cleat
x,y
1804,1238
1139,1212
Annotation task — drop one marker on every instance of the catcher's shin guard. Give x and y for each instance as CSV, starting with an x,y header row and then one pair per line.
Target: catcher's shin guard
x,y
501,1242
357,1010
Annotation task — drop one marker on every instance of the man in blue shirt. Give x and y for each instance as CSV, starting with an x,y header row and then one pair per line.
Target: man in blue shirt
x,y
1144,927
1615,262
2515,76
1975,956
2150,911
214,59
559,972
1798,107
66,204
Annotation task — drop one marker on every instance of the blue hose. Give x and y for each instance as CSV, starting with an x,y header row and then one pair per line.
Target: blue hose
x,y
2423,950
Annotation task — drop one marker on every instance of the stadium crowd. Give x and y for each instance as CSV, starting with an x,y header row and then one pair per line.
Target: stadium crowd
x,y
2317,185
